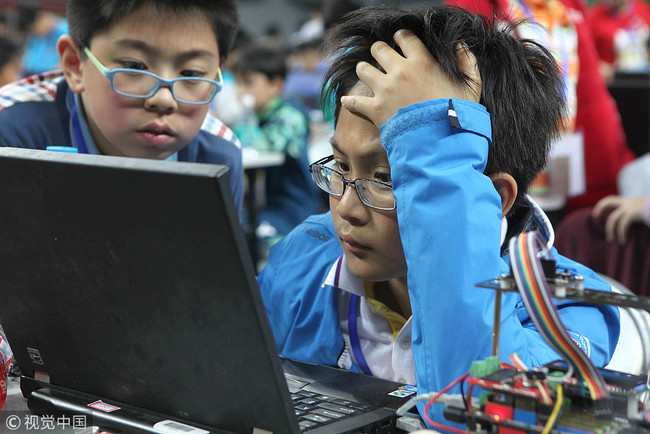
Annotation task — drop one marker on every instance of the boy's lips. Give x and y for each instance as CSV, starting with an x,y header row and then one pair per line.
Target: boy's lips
x,y
351,244
156,134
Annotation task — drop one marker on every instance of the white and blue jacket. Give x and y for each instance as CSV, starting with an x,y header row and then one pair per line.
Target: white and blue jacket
x,y
449,216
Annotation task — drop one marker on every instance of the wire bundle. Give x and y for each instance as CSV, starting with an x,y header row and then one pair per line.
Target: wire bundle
x,y
535,292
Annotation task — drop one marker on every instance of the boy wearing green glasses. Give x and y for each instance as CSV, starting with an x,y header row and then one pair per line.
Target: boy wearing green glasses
x,y
137,80
441,122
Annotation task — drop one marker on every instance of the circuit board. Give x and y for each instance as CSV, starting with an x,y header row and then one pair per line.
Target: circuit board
x,y
516,402
565,285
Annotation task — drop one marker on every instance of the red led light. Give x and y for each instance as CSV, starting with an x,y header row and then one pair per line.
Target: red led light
x,y
498,411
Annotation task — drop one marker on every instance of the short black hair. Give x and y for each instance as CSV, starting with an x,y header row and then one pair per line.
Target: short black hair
x,y
88,17
257,57
522,87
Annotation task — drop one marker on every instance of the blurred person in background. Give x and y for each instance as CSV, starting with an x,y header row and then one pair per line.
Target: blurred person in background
x,y
620,29
226,105
621,214
275,124
4,28
591,108
10,58
306,62
272,36
613,237
312,28
304,78
42,30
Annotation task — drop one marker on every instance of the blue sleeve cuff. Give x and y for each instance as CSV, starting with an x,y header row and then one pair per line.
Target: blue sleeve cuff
x,y
460,115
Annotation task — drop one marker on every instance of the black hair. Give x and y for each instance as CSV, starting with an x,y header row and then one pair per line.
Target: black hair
x,y
270,61
9,50
88,17
522,86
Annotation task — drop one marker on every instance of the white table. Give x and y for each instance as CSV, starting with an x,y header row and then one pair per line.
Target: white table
x,y
253,159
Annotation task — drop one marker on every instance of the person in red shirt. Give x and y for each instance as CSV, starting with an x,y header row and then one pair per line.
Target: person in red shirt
x,y
592,110
620,29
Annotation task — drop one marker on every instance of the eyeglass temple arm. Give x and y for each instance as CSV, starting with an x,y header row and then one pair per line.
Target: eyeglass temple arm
x,y
219,77
95,61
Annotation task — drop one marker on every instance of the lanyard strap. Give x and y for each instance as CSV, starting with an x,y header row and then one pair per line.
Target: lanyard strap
x,y
353,317
76,128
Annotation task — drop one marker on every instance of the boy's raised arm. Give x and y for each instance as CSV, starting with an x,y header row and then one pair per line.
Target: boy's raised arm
x,y
449,211
414,77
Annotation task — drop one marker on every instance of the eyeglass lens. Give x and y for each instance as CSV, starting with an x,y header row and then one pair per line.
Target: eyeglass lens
x,y
370,193
139,84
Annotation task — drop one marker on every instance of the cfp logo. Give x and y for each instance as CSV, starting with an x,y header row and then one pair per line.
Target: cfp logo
x,y
35,355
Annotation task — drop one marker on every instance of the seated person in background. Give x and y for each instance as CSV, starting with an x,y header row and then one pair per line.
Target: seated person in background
x,y
42,30
275,124
156,109
620,29
10,55
591,109
442,122
305,74
612,238
623,213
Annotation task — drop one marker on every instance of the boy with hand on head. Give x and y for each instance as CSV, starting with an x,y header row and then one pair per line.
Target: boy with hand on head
x,y
137,80
442,121
275,124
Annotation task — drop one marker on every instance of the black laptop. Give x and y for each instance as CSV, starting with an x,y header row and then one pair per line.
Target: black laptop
x,y
128,295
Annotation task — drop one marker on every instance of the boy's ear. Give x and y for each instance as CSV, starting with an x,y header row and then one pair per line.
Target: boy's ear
x,y
506,186
70,57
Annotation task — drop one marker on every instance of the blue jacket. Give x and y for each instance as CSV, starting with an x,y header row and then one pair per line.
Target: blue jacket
x,y
449,216
35,113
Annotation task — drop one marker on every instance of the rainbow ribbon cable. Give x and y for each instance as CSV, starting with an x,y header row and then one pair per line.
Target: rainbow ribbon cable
x,y
534,289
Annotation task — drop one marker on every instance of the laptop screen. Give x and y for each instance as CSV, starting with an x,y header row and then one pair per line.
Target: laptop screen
x,y
130,279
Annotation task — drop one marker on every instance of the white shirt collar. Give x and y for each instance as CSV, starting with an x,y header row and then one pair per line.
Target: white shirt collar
x,y
347,281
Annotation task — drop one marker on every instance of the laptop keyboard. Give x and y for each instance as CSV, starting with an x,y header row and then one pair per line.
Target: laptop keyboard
x,y
315,410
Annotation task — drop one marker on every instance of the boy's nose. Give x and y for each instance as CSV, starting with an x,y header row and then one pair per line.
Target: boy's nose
x,y
350,206
162,100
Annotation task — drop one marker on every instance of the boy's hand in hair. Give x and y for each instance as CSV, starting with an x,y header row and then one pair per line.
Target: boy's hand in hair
x,y
411,78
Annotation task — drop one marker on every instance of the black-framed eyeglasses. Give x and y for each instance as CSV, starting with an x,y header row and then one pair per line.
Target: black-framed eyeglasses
x,y
372,193
143,84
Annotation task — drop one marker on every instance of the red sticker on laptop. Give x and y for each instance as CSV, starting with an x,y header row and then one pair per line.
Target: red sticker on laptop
x,y
102,406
